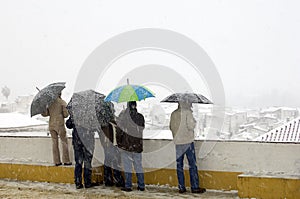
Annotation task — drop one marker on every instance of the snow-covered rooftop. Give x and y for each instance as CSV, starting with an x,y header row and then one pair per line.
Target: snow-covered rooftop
x,y
288,132
270,116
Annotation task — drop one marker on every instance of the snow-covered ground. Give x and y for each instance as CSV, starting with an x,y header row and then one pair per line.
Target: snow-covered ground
x,y
25,189
8,120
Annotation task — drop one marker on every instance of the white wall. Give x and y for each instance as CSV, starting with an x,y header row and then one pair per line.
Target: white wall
x,y
216,156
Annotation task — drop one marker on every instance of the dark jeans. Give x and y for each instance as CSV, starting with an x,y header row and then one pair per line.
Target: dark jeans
x,y
83,156
189,151
112,165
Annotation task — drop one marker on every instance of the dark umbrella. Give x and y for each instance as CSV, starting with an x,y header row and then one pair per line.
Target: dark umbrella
x,y
88,109
45,97
187,97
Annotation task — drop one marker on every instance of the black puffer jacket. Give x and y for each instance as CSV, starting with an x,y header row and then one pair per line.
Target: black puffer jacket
x,y
130,130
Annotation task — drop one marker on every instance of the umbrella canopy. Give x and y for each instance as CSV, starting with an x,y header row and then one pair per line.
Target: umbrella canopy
x,y
88,109
187,97
45,97
129,93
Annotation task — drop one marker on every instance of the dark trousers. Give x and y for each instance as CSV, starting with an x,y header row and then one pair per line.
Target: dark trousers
x,y
83,157
112,166
113,176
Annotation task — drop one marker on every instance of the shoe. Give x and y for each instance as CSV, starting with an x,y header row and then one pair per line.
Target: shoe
x,y
79,186
68,163
120,184
58,164
182,190
202,190
199,190
94,184
140,188
126,189
88,186
109,184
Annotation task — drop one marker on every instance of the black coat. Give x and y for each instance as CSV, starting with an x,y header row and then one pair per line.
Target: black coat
x,y
106,135
81,137
130,130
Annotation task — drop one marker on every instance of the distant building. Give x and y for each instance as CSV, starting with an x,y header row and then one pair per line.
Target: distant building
x,y
230,123
267,122
257,126
281,113
157,114
7,107
252,118
23,103
233,121
251,130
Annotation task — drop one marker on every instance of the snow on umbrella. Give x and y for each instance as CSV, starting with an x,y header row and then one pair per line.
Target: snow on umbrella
x,y
88,109
187,97
45,97
129,93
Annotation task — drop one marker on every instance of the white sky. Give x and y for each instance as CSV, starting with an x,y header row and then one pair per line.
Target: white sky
x,y
255,45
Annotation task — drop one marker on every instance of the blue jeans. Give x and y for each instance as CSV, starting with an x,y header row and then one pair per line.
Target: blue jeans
x,y
189,151
129,158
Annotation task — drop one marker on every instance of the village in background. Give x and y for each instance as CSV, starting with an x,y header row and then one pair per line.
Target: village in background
x,y
272,124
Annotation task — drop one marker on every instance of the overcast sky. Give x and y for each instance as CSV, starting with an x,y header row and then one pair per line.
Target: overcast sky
x,y
254,45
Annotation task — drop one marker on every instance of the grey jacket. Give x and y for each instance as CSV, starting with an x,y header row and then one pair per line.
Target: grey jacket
x,y
182,125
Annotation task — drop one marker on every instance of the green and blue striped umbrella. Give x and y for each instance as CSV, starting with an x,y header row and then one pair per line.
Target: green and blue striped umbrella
x,y
128,93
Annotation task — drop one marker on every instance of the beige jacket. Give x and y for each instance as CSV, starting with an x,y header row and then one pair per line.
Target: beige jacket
x,y
182,125
57,112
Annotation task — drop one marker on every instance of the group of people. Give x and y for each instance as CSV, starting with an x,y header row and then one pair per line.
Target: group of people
x,y
122,141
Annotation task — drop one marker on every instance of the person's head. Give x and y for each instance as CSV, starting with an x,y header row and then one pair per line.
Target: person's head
x,y
131,105
185,105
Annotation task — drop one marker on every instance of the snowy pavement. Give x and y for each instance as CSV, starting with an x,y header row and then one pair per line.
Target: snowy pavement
x,y
25,189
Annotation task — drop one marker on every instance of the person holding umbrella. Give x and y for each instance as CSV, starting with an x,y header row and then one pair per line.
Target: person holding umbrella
x,y
57,112
87,113
182,124
83,144
112,155
112,160
48,102
130,140
130,126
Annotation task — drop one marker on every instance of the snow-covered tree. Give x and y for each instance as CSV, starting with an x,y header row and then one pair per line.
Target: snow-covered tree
x,y
5,91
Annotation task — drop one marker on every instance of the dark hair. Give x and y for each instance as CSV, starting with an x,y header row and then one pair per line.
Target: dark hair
x,y
130,104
